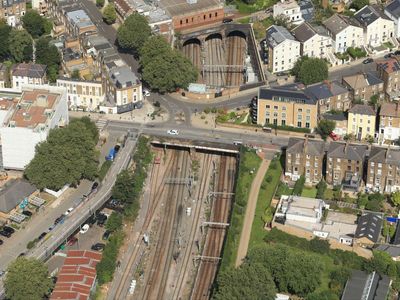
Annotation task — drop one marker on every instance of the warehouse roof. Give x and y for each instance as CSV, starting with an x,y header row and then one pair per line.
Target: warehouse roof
x,y
183,7
13,193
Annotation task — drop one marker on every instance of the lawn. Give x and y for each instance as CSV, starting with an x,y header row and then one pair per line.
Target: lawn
x,y
264,213
309,192
249,164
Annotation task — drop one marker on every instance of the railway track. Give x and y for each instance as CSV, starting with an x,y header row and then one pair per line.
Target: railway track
x,y
235,56
157,188
157,279
200,196
215,235
193,52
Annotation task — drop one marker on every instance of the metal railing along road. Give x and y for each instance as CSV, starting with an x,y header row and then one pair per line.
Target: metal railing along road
x,y
81,213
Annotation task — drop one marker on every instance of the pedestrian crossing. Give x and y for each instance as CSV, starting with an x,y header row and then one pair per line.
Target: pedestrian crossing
x,y
101,123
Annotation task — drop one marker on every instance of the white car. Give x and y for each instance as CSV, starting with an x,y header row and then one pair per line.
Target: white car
x,y
146,93
173,132
84,229
68,211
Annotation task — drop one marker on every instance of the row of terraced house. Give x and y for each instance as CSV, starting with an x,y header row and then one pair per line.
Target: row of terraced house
x,y
346,103
349,165
369,28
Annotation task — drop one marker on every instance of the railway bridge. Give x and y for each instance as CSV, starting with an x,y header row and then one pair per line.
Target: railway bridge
x,y
226,55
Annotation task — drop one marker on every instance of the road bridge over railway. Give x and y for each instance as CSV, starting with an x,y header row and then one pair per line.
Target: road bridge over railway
x,y
221,54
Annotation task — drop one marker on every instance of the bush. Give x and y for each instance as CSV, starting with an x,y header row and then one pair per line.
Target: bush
x,y
283,189
298,186
289,128
105,166
321,188
356,52
31,244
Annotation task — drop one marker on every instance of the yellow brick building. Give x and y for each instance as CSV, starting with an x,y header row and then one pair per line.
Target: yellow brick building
x,y
361,121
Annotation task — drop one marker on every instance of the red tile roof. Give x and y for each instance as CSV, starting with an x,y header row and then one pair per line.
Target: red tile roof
x,y
77,276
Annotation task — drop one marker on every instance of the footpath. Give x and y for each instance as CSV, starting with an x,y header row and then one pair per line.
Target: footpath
x,y
250,211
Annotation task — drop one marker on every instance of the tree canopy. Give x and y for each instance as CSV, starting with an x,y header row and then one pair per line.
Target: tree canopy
x,y
310,70
67,156
133,33
48,55
159,59
5,32
27,278
250,281
35,24
20,45
110,14
325,127
358,4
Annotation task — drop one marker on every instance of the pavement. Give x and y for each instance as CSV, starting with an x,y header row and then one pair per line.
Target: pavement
x,y
250,211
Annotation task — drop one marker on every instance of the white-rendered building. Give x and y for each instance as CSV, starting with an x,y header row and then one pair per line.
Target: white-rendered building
x,y
83,95
315,41
378,27
283,49
345,32
302,209
290,10
26,121
28,74
392,10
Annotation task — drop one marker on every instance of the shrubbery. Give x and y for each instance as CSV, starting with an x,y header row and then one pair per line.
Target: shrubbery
x,y
299,185
356,52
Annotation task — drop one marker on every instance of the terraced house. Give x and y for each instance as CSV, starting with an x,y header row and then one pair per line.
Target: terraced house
x,y
383,170
389,122
286,106
361,121
389,72
345,165
364,85
304,157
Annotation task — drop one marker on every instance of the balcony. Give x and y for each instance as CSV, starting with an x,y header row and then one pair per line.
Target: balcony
x,y
351,182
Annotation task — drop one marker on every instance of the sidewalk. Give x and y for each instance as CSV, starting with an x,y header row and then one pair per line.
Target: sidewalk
x,y
250,211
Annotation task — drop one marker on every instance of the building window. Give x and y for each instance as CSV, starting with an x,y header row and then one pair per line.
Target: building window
x,y
210,16
300,110
275,122
275,107
216,14
187,21
283,107
307,125
267,121
204,17
283,122
298,124
267,106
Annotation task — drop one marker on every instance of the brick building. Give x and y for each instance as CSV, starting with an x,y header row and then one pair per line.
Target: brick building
x,y
365,85
12,11
389,72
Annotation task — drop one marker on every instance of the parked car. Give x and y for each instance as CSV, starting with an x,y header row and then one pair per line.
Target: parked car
x,y
69,210
9,229
27,213
146,93
368,61
106,235
227,20
334,136
5,233
72,240
42,235
173,132
98,247
95,185
101,219
60,219
92,220
84,229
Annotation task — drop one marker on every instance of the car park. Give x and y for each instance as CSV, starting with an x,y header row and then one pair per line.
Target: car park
x,y
9,229
5,233
173,132
84,229
368,61
41,236
98,247
72,240
27,213
106,235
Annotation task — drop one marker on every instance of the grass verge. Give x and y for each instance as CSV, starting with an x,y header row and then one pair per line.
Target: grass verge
x,y
249,163
310,192
106,165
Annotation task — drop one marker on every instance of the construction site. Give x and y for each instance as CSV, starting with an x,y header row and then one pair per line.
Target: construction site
x,y
226,56
188,200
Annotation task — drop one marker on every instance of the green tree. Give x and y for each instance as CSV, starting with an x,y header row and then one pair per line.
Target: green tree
x,y
250,281
34,23
124,187
5,32
133,33
114,222
20,45
75,74
321,188
325,127
67,156
100,3
358,4
298,186
322,295
154,46
362,200
396,198
310,70
110,14
27,278
48,55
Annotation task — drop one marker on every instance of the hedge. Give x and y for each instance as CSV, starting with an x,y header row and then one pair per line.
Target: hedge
x,y
289,128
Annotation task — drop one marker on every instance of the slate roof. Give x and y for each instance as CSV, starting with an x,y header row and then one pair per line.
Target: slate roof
x,y
335,117
337,23
307,9
362,109
304,32
366,286
394,8
389,65
392,250
369,14
369,226
123,77
390,110
279,94
396,240
362,80
306,146
324,90
29,70
13,193
384,155
278,34
8,3
347,151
